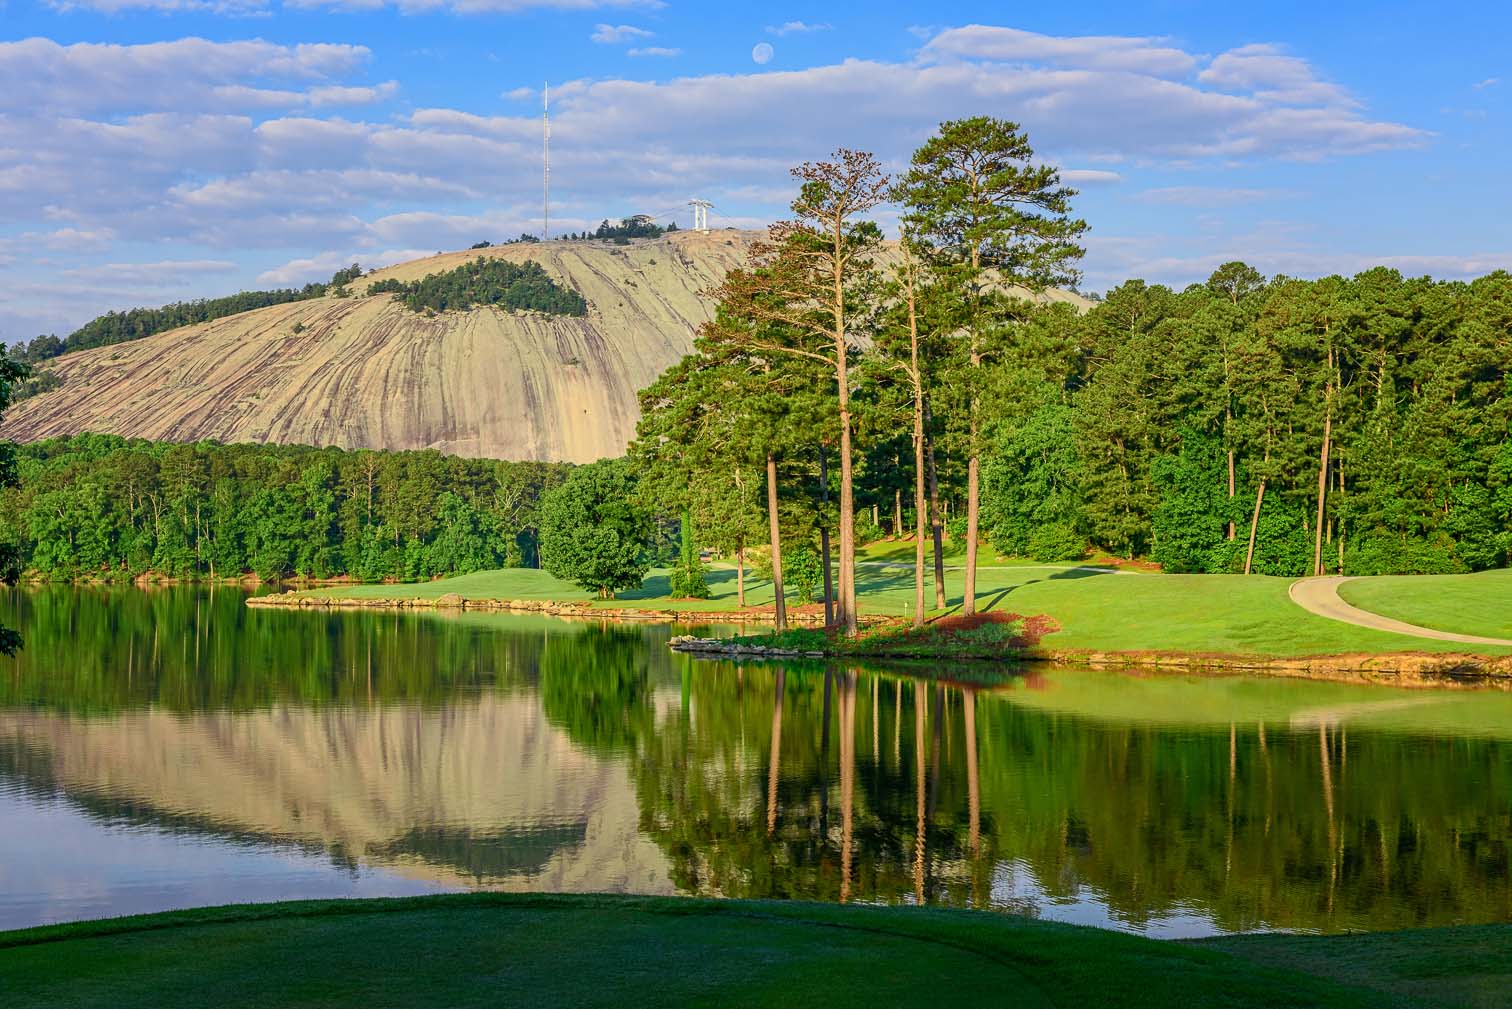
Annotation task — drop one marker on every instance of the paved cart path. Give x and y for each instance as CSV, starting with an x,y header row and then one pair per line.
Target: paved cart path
x,y
1321,596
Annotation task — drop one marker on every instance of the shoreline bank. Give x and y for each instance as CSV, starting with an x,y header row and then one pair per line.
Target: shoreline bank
x,y
1402,669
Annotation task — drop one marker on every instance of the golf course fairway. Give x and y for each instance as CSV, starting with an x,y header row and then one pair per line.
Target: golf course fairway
x,y
547,950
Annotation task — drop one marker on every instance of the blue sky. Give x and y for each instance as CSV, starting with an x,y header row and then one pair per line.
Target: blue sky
x,y
152,150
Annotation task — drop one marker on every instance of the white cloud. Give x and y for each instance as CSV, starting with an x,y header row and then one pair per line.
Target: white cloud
x,y
615,35
475,6
1269,74
202,147
164,273
1205,196
232,7
1489,82
655,51
41,76
797,27
1089,177
298,272
1088,52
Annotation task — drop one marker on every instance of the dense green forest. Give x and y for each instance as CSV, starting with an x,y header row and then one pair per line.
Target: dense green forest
x,y
1243,424
104,507
1359,425
515,286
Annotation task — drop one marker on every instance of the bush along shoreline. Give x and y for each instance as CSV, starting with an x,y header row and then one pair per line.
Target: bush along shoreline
x,y
992,636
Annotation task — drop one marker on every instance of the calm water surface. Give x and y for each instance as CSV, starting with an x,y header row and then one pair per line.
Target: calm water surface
x,y
174,748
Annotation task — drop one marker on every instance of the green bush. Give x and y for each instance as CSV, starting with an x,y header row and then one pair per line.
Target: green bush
x,y
515,286
1057,541
803,573
689,581
1389,554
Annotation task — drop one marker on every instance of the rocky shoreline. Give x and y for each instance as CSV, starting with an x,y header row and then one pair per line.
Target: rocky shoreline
x,y
583,608
1405,669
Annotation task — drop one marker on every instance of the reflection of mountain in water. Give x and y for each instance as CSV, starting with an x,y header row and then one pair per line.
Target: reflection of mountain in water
x,y
481,792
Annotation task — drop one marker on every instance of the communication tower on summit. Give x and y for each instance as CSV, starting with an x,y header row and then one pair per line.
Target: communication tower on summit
x,y
700,214
546,161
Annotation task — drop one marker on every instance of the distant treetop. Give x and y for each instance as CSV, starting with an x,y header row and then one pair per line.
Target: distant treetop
x,y
515,286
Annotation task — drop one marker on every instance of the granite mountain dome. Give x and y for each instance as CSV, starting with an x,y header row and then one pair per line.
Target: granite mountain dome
x,y
367,372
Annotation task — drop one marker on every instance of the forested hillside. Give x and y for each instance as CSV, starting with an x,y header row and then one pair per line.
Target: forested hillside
x,y
104,507
138,323
1360,424
557,382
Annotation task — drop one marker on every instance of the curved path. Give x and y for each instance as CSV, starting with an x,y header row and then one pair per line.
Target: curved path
x,y
1321,596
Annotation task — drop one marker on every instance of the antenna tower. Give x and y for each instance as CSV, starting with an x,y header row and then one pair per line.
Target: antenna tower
x,y
546,161
700,214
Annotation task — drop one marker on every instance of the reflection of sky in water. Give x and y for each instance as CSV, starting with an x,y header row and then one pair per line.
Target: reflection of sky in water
x,y
62,865
1015,890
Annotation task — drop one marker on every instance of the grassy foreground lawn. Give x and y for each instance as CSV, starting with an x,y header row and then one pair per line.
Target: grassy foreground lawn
x,y
1479,604
545,951
1096,611
1464,966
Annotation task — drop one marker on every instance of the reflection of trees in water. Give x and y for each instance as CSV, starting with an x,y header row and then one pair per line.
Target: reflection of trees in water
x,y
788,782
597,688
195,649
842,820
1315,830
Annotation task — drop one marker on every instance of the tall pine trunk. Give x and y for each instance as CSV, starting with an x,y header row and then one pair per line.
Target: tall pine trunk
x,y
1323,465
780,617
847,607
936,526
973,507
847,614
824,540
918,446
1249,555
1228,418
740,576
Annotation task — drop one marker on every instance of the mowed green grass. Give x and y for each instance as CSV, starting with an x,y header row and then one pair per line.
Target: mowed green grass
x,y
1464,966
546,951
1479,604
1096,610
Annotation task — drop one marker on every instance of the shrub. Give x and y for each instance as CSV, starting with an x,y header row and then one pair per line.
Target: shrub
x,y
803,572
1057,541
688,581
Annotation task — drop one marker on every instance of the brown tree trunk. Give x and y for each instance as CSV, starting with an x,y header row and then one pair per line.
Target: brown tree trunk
x,y
937,529
824,540
780,616
1249,556
973,506
1228,417
773,764
1323,467
740,576
917,377
897,512
847,607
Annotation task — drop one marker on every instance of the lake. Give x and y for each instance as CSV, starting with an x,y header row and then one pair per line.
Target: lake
x,y
172,748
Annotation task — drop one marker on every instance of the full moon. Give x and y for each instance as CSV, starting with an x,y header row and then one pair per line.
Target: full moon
x,y
762,52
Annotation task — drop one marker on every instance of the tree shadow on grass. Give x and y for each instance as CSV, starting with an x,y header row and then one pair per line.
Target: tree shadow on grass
x,y
660,585
991,599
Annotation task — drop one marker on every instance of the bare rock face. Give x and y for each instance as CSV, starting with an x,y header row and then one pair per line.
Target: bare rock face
x,y
365,372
